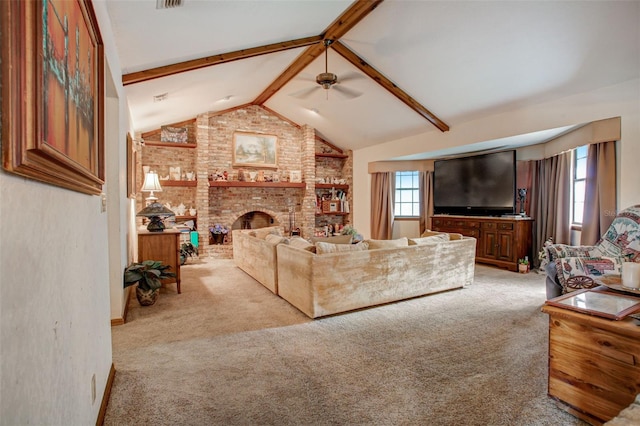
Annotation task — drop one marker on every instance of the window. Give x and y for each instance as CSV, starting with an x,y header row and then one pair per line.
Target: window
x,y
407,194
579,176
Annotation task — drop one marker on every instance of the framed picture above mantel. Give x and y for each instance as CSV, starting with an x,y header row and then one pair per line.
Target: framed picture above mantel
x,y
255,150
53,75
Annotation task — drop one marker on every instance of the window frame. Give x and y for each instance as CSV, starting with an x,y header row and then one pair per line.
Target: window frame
x,y
574,179
397,204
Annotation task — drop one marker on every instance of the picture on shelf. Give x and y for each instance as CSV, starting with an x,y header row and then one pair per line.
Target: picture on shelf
x,y
255,150
173,134
174,173
295,176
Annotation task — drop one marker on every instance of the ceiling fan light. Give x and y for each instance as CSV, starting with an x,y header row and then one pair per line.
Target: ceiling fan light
x,y
326,79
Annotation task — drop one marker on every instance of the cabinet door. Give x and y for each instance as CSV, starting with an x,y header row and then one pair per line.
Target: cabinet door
x,y
490,244
505,246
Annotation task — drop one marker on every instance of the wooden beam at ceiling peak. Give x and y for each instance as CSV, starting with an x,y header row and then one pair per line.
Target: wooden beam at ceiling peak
x,y
343,23
363,66
194,64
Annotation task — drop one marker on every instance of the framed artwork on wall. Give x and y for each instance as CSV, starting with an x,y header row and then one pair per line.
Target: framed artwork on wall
x,y
131,167
53,102
255,150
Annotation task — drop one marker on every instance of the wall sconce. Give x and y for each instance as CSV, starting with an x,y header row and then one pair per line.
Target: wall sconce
x,y
151,184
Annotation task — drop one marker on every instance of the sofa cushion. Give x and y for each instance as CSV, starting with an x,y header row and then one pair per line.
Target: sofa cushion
x,y
323,248
301,243
338,239
378,244
431,239
276,239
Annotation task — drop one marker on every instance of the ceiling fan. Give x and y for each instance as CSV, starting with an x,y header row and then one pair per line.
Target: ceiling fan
x,y
328,80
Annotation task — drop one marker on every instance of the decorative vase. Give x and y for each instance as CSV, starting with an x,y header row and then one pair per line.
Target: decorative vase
x,y
217,238
147,297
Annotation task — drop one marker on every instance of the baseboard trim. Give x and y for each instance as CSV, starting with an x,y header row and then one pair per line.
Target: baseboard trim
x,y
106,396
121,321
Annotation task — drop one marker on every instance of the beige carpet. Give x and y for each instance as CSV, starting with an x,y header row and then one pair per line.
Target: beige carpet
x,y
228,352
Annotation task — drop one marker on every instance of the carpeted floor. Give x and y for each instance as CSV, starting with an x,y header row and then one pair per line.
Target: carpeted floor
x,y
228,352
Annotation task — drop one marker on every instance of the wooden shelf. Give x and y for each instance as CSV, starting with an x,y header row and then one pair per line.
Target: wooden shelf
x,y
185,218
332,214
331,155
170,144
331,185
238,184
183,183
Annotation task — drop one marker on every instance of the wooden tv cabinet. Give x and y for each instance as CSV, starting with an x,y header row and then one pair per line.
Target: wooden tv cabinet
x,y
501,240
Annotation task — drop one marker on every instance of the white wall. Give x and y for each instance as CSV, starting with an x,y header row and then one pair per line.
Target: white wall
x,y
54,309
620,100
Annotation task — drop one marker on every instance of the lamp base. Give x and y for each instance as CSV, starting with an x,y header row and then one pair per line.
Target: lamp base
x,y
155,224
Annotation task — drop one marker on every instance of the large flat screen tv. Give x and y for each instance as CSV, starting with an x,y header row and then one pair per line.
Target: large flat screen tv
x,y
481,185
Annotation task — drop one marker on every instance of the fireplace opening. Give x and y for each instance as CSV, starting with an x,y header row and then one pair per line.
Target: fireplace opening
x,y
254,220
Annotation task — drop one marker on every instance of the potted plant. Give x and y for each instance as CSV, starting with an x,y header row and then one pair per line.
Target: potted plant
x,y
218,232
350,230
148,276
523,265
187,250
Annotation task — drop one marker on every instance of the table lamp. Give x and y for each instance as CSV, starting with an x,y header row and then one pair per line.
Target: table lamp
x,y
156,212
151,184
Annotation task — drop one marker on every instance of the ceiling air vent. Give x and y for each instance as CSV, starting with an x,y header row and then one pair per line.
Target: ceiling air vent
x,y
167,4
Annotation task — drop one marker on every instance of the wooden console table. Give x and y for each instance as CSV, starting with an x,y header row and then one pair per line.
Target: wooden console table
x,y
163,246
501,240
594,363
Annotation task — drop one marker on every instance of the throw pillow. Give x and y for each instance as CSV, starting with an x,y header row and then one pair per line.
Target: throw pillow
x,y
275,239
263,232
575,273
301,243
432,239
378,244
324,248
338,239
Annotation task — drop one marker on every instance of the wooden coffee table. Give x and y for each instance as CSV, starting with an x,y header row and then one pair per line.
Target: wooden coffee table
x,y
594,363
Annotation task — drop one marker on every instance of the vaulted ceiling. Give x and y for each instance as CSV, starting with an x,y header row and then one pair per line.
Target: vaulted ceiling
x,y
404,67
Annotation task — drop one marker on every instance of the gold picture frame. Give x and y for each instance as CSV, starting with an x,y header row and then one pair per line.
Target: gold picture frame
x,y
255,150
53,93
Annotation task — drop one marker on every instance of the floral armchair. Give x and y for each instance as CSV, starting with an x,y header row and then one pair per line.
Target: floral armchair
x,y
576,267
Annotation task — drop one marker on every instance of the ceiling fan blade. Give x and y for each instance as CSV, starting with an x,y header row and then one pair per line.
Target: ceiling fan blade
x,y
350,77
304,93
348,93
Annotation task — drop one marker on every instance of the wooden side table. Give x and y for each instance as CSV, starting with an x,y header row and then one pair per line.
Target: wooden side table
x,y
163,246
594,363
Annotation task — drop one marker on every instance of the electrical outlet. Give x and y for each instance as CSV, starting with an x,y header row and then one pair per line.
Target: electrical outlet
x,y
103,205
93,389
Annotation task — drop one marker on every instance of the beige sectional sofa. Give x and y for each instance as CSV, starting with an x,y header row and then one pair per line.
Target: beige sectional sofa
x,y
325,284
256,255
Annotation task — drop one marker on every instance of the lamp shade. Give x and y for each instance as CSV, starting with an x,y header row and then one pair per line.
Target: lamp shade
x,y
151,183
155,212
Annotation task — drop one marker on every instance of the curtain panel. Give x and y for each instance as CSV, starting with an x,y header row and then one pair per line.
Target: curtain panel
x,y
426,200
551,200
382,190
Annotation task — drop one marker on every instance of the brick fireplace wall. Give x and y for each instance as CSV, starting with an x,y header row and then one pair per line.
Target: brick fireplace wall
x,y
213,135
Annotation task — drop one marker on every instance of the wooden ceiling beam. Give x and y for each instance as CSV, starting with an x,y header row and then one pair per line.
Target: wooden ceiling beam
x,y
343,23
194,64
374,74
